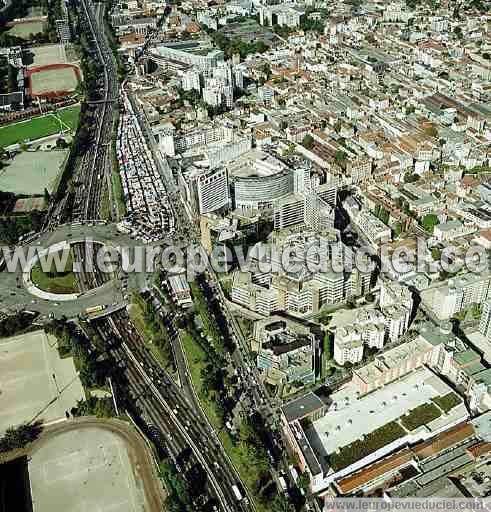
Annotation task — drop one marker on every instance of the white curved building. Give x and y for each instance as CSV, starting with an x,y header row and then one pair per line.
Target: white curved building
x,y
259,179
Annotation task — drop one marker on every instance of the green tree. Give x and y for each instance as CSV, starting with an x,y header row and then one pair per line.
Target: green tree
x,y
384,215
308,141
411,177
429,221
280,504
18,437
327,347
431,131
436,253
340,158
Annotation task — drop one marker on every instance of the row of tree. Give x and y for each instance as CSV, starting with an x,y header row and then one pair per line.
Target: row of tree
x,y
16,438
90,357
21,321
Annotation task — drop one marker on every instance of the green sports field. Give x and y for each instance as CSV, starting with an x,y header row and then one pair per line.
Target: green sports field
x,y
24,30
39,127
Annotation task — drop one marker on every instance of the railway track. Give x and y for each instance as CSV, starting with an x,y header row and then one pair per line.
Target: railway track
x,y
96,168
164,405
92,169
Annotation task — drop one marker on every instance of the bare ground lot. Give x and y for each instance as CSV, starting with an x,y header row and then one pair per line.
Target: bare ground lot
x,y
84,470
27,387
91,465
63,79
30,172
48,54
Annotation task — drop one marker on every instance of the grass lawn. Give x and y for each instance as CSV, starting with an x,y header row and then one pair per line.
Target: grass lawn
x,y
105,205
246,467
327,350
39,127
197,361
136,316
210,326
24,30
419,416
359,449
118,193
447,402
53,282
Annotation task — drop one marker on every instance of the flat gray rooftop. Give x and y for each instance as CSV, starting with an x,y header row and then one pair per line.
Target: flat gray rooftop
x,y
302,406
355,417
27,387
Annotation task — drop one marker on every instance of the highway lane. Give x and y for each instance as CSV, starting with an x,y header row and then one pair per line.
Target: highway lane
x,y
187,420
157,423
187,383
192,416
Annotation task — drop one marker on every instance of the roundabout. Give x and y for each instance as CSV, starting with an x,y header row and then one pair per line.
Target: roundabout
x,y
68,292
33,275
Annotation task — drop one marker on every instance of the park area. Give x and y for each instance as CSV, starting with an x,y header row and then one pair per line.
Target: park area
x,y
52,280
54,122
36,383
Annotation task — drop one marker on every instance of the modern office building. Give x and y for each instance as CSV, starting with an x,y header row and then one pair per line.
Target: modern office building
x,y
485,323
285,351
213,191
205,190
258,180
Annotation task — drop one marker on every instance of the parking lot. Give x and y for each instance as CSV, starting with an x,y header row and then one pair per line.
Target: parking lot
x,y
145,195
34,381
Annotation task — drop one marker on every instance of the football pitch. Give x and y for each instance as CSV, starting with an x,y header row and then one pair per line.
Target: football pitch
x,y
24,30
38,127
